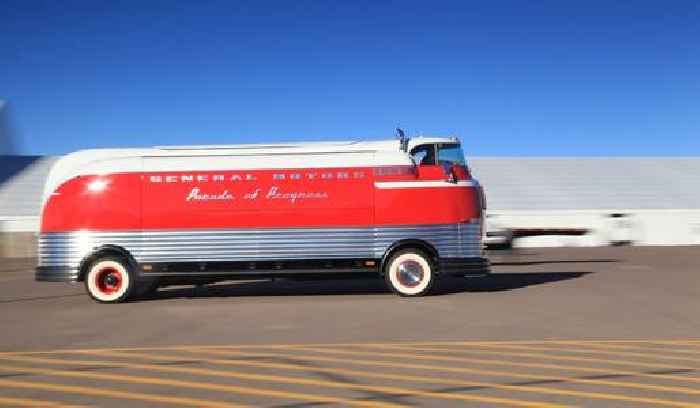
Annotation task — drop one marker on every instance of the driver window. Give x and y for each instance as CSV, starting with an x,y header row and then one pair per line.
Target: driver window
x,y
423,155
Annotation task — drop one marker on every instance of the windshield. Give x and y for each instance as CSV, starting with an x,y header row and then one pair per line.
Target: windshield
x,y
449,154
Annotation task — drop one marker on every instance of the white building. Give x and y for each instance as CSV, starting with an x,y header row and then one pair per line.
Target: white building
x,y
646,200
658,198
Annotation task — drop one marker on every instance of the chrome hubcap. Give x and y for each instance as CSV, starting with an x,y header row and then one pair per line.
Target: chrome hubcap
x,y
410,273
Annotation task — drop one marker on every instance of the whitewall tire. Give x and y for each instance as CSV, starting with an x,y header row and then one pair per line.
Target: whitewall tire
x,y
409,272
109,280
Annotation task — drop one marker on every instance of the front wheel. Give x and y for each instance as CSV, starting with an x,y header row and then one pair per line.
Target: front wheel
x,y
409,272
110,280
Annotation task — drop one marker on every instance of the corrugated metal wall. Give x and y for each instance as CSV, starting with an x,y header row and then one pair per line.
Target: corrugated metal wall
x,y
21,184
510,183
521,192
589,183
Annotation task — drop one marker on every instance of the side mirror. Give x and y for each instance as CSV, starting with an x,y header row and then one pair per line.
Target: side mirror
x,y
450,170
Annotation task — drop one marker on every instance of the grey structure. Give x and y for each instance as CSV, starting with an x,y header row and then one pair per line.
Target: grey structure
x,y
541,185
574,183
22,183
510,183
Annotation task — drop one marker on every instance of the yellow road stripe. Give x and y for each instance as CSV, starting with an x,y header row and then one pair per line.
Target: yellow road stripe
x,y
539,356
421,379
25,402
438,368
196,385
666,348
508,363
293,345
503,363
283,379
117,394
653,353
527,377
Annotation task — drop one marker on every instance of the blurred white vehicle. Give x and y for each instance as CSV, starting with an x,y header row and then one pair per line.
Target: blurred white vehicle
x,y
497,235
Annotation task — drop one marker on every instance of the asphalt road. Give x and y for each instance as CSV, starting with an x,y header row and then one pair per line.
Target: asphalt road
x,y
610,327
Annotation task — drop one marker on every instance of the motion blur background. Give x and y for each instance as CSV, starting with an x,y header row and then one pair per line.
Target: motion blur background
x,y
580,118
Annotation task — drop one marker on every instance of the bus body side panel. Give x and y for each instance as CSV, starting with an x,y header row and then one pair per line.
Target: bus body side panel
x,y
451,215
109,202
448,207
206,213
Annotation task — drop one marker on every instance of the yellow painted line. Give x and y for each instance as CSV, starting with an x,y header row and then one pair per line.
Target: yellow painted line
x,y
25,402
117,394
271,393
418,379
450,359
286,380
540,356
653,353
437,368
666,349
294,345
503,363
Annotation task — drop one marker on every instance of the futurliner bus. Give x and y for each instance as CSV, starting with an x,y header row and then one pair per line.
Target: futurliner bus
x,y
127,221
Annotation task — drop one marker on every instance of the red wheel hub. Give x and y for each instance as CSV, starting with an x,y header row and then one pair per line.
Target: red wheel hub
x,y
109,280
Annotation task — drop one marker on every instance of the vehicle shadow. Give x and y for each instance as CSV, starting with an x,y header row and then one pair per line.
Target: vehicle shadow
x,y
498,282
501,282
546,262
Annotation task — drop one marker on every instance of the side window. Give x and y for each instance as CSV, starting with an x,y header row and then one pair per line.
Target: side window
x,y
423,155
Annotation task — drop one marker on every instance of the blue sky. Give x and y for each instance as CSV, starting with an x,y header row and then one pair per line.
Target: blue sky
x,y
511,78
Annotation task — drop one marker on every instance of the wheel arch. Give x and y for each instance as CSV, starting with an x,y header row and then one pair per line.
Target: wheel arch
x,y
425,246
101,251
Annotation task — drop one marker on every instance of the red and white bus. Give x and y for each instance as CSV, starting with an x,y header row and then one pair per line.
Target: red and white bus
x,y
126,221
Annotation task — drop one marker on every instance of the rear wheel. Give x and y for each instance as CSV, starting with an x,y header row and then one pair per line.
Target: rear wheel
x,y
110,280
409,272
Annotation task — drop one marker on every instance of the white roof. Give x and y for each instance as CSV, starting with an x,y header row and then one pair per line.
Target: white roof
x,y
276,155
304,147
415,141
283,148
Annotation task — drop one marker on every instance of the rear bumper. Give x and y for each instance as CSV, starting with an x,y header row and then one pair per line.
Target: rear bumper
x,y
465,266
56,274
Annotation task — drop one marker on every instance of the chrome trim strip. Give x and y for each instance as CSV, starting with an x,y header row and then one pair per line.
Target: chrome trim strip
x,y
70,248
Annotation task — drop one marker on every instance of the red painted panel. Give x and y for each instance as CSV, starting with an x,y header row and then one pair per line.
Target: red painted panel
x,y
430,205
259,198
439,172
431,172
111,202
